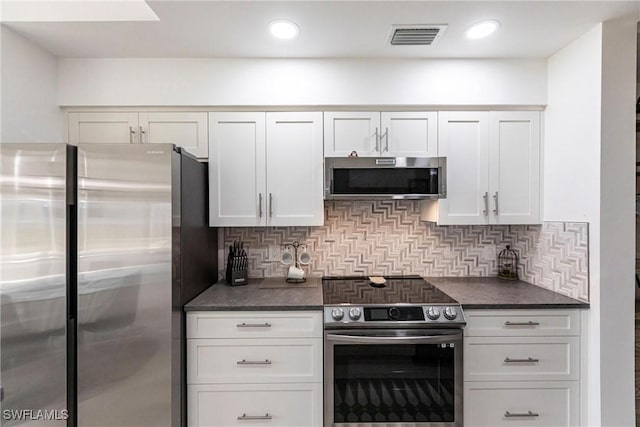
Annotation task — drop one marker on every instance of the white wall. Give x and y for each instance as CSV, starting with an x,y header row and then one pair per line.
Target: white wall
x,y
264,82
617,223
572,169
589,176
29,85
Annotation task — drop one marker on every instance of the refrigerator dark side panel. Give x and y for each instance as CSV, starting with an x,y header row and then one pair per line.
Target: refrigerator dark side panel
x,y
195,261
199,255
125,285
33,266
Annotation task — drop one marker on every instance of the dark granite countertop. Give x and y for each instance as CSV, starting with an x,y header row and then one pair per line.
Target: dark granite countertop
x,y
493,293
260,294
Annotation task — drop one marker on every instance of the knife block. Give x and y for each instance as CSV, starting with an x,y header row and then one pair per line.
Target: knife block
x,y
237,272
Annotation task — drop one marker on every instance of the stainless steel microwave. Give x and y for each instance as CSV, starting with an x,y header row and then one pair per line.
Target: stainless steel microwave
x,y
368,178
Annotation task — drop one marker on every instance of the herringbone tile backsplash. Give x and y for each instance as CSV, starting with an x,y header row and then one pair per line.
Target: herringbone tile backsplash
x,y
387,238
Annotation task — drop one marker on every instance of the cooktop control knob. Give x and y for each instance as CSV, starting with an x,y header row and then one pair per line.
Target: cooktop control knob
x,y
394,313
354,313
337,313
433,313
450,313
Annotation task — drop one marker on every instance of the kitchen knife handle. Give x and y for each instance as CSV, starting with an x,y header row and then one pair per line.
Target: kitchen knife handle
x,y
270,205
260,205
495,198
486,203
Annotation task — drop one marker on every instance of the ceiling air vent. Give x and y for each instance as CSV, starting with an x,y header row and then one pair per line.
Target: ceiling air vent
x,y
415,35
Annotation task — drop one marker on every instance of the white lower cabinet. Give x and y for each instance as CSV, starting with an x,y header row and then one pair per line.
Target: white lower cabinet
x,y
519,404
280,405
261,368
522,368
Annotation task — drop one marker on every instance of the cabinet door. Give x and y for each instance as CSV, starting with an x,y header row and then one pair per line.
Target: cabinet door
x,y
347,131
294,169
514,165
255,405
103,127
237,169
464,140
409,134
522,404
184,129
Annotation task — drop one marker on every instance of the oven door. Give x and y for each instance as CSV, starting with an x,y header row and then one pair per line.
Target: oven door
x,y
393,377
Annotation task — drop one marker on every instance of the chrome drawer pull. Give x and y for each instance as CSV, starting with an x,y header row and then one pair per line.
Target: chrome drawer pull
x,y
254,325
527,360
529,414
254,362
255,417
529,323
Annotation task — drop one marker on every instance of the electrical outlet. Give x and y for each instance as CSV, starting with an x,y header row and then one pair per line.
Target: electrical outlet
x,y
275,252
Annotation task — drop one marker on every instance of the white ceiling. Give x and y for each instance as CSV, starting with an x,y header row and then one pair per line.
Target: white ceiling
x,y
336,29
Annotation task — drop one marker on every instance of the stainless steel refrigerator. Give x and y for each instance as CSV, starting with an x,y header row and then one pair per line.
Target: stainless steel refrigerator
x,y
101,247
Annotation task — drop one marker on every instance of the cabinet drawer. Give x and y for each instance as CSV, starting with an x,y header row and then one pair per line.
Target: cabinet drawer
x,y
521,359
503,323
254,360
287,405
255,324
556,404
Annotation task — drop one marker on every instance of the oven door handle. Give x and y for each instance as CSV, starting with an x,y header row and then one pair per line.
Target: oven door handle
x,y
373,339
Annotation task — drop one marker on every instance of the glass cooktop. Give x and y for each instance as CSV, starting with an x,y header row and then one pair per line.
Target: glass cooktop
x,y
358,290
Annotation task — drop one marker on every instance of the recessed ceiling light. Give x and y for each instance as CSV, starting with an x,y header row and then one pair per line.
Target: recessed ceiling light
x,y
282,29
482,29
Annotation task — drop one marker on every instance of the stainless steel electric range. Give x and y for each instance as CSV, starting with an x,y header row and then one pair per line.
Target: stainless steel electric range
x,y
393,353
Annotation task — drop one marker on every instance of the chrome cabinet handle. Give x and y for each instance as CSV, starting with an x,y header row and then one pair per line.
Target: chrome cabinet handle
x,y
253,362
132,133
529,323
486,203
142,132
270,205
260,205
255,417
527,360
385,135
528,414
377,139
495,199
254,325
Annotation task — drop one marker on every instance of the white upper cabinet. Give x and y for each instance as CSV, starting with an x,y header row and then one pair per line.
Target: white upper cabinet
x,y
265,169
101,127
185,129
464,141
349,131
409,134
514,167
236,169
376,134
182,128
294,169
493,168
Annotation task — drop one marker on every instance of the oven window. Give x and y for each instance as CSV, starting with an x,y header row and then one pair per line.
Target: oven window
x,y
385,181
394,383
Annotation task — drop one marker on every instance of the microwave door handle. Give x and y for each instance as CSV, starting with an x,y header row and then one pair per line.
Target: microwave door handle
x,y
363,339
